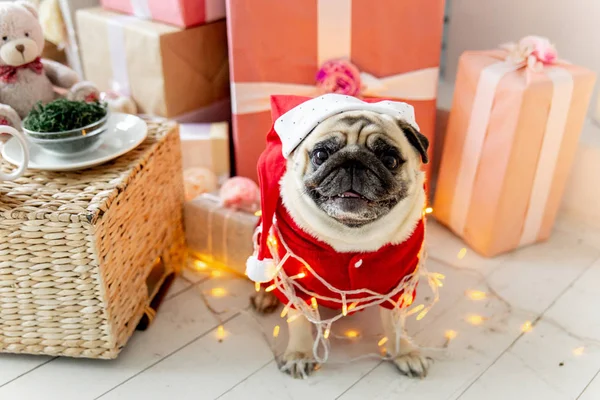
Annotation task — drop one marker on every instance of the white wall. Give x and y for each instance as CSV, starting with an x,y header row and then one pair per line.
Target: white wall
x,y
572,25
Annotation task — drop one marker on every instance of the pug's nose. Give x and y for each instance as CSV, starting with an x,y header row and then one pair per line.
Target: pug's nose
x,y
20,48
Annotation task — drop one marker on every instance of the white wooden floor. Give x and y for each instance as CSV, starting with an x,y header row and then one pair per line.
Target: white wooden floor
x,y
535,335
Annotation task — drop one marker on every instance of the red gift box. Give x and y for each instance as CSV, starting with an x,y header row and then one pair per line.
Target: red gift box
x,y
277,47
182,13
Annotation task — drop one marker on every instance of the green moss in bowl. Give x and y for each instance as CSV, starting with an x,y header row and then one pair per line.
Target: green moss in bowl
x,y
63,115
66,128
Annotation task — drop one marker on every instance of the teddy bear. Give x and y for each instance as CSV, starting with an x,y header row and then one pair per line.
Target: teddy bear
x,y
25,78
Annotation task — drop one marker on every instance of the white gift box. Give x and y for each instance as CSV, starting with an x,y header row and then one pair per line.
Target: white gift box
x,y
206,145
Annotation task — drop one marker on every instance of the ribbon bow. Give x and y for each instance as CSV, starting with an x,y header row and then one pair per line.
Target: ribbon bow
x,y
343,77
8,73
532,52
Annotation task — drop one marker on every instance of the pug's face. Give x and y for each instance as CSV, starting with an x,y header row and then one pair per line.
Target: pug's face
x,y
356,166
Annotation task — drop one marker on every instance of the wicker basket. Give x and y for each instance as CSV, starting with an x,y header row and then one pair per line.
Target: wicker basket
x,y
76,249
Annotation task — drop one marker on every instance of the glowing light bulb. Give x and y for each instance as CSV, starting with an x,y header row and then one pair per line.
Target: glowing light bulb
x,y
220,333
476,294
475,319
276,331
271,241
344,310
578,351
218,292
418,308
313,303
352,334
270,288
382,341
292,318
450,334
462,253
422,315
526,327
428,210
285,310
298,276
352,306
258,213
326,333
257,286
200,265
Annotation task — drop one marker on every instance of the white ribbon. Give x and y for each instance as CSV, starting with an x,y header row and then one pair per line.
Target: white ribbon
x,y
141,9
475,138
252,97
118,55
555,128
334,35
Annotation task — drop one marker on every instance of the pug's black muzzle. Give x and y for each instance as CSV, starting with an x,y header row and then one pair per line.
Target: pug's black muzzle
x,y
351,173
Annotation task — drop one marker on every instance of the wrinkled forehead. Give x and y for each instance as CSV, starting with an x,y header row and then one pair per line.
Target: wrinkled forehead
x,y
357,127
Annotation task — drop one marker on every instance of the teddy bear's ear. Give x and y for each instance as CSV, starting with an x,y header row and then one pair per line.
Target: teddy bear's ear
x,y
29,6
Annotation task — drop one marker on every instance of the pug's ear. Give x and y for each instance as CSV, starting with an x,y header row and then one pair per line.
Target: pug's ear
x,y
416,139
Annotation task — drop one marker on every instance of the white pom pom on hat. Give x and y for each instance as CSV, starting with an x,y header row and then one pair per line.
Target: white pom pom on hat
x,y
295,125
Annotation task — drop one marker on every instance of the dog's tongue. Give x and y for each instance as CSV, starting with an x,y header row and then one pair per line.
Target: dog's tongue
x,y
350,194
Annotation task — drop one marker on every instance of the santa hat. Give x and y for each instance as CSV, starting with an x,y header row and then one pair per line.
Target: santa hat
x,y
295,117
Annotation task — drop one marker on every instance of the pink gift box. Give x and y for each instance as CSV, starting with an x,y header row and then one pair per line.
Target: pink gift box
x,y
182,13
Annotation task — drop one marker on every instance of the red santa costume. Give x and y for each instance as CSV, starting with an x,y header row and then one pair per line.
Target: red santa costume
x,y
300,267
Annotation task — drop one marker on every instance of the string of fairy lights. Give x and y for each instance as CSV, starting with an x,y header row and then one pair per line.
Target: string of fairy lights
x,y
403,307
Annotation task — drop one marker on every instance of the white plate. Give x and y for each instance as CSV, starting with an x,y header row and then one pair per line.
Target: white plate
x,y
124,133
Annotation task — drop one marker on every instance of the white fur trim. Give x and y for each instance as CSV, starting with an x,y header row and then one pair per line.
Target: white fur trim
x,y
394,228
293,126
260,271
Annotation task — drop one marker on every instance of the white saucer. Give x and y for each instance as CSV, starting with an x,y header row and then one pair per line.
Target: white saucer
x,y
124,133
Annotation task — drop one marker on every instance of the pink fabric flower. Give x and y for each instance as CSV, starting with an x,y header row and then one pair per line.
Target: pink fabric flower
x,y
540,48
240,193
339,76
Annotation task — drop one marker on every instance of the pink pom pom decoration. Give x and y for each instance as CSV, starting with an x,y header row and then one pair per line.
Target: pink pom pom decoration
x,y
197,181
339,76
240,193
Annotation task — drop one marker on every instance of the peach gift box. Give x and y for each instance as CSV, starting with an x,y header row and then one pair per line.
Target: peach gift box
x,y
509,146
277,47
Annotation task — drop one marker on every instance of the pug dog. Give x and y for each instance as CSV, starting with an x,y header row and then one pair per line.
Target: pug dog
x,y
355,183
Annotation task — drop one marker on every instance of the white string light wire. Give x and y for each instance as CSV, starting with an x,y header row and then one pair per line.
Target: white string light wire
x,y
349,300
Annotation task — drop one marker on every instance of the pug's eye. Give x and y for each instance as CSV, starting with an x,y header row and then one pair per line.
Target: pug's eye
x,y
390,161
319,156
26,34
5,38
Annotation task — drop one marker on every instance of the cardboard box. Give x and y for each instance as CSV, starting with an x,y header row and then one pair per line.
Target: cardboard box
x,y
219,235
206,145
167,71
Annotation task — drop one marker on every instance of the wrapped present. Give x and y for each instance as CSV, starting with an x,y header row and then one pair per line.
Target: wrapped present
x,y
514,126
182,13
278,47
219,235
167,71
206,145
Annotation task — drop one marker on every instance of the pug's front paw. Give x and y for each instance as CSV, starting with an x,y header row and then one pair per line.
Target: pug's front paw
x,y
413,364
264,302
298,365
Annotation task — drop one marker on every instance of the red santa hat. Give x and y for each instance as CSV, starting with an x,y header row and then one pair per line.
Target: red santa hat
x,y
295,118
